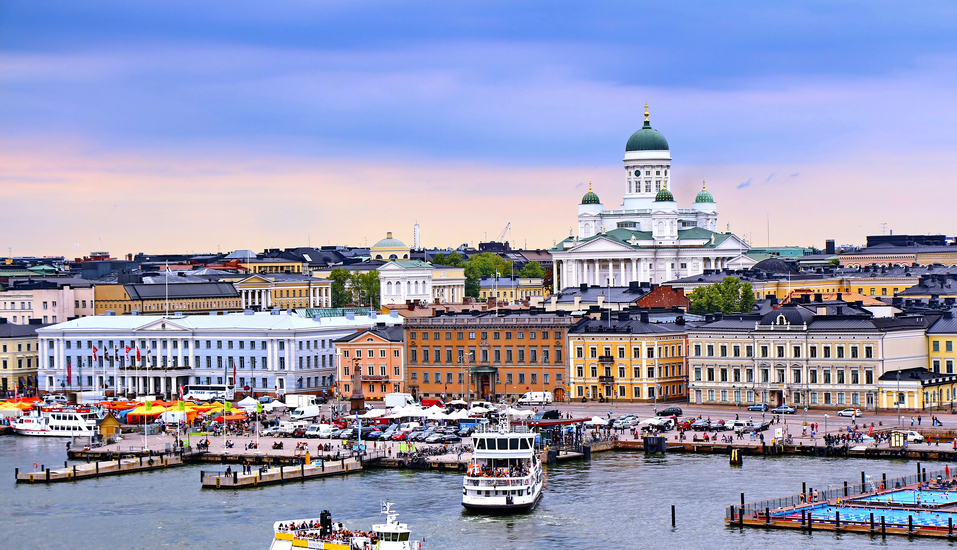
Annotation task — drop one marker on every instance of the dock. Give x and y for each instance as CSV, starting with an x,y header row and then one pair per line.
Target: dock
x,y
100,468
280,474
924,504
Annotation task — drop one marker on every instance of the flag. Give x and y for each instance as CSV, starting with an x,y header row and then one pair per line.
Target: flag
x,y
234,374
168,272
94,353
229,406
69,372
128,352
148,405
181,392
181,406
870,431
498,273
116,353
137,354
259,408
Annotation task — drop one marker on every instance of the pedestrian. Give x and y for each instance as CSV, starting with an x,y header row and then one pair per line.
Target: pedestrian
x,y
918,420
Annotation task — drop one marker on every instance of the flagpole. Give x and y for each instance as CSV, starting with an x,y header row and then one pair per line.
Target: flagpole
x,y
166,277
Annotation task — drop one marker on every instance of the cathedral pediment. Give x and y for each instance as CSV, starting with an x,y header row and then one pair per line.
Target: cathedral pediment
x,y
601,244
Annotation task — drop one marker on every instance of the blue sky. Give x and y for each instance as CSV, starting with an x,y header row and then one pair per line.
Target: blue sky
x,y
501,108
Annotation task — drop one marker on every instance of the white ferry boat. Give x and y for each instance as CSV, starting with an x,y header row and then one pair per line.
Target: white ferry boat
x,y
504,475
323,533
59,422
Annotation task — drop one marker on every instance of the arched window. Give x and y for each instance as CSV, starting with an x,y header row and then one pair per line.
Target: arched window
x,y
393,257
388,287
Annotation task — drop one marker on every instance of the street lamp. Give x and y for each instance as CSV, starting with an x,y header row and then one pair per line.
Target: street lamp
x,y
897,397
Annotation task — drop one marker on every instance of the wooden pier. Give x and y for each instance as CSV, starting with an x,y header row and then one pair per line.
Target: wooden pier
x,y
100,468
279,474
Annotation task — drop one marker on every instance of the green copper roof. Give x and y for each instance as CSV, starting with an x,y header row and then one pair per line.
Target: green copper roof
x,y
704,195
591,198
664,196
647,139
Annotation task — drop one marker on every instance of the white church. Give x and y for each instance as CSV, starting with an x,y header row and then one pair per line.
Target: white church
x,y
647,239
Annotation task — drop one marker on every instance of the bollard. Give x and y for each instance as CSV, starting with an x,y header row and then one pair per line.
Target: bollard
x,y
803,487
16,473
74,471
918,471
235,478
883,527
48,474
884,480
741,517
742,499
950,527
863,481
280,473
97,467
810,522
837,521
872,521
202,476
845,488
302,471
803,517
672,516
910,524
924,478
767,516
64,463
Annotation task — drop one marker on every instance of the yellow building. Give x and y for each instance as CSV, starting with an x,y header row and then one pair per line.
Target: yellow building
x,y
19,357
628,359
282,291
389,248
512,289
272,265
941,356
155,298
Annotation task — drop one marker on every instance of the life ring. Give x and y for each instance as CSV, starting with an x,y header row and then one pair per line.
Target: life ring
x,y
35,465
882,487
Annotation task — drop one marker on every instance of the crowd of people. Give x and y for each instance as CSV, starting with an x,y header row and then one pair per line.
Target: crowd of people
x,y
311,530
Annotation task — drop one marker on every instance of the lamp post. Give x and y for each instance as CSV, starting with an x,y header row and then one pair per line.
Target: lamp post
x,y
897,397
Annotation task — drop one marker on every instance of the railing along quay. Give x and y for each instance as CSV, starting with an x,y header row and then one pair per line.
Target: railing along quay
x,y
100,468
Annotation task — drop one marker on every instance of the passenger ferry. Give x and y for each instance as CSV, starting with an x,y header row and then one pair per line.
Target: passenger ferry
x,y
59,422
323,533
504,475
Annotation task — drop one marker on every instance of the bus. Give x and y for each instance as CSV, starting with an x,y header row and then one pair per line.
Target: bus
x,y
209,392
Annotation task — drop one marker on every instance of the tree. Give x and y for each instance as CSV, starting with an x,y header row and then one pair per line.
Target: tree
x,y
364,288
452,260
340,279
481,265
532,270
729,295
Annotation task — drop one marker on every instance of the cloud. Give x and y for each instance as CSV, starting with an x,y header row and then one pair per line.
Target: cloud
x,y
769,178
745,184
796,174
580,185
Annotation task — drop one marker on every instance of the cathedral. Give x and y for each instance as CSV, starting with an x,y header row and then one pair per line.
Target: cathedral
x,y
647,239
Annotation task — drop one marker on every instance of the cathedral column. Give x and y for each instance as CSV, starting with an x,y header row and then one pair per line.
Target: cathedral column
x,y
634,270
555,281
621,265
584,272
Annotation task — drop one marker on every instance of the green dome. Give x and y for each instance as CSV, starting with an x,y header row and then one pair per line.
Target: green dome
x,y
704,196
590,197
647,139
389,242
664,196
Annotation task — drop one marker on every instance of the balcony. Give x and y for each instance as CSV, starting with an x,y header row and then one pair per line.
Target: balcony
x,y
606,359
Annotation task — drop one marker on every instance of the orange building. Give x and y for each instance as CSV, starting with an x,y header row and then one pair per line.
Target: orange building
x,y
380,354
494,355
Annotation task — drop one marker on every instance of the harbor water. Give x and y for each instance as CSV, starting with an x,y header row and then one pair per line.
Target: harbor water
x,y
616,500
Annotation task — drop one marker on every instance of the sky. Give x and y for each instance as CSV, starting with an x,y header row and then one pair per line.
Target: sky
x,y
176,126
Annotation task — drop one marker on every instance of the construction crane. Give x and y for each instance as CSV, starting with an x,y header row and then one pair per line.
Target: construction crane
x,y
504,232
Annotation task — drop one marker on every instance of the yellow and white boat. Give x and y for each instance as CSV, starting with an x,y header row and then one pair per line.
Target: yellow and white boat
x,y
323,533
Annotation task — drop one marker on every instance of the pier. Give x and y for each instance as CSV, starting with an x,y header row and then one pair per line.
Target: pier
x,y
100,468
280,474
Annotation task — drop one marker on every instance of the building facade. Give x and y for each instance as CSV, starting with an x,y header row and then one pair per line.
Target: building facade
x,y
487,355
158,298
19,357
817,355
379,353
45,300
627,358
270,353
512,289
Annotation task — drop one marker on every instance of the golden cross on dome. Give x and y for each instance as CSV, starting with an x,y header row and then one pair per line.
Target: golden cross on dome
x,y
646,112
702,185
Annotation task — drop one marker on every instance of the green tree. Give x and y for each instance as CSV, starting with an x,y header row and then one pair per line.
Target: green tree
x,y
533,270
364,288
453,260
728,295
481,265
340,294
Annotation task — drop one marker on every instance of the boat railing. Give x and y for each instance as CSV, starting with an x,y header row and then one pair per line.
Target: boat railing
x,y
497,481
494,429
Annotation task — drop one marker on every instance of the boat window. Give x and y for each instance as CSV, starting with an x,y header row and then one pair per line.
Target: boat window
x,y
403,536
480,444
513,444
525,443
503,444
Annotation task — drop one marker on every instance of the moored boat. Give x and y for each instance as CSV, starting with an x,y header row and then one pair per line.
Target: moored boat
x,y
59,422
504,475
323,533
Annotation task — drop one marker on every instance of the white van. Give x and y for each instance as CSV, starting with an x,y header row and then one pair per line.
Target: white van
x,y
409,426
318,430
306,413
536,398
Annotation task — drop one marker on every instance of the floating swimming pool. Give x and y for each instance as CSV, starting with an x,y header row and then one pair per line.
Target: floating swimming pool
x,y
911,497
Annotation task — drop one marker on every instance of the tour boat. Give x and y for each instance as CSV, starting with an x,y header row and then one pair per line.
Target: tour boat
x,y
323,533
59,422
505,475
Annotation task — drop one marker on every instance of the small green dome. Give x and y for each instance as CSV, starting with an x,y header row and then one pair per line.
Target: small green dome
x,y
647,139
389,242
590,197
664,196
703,195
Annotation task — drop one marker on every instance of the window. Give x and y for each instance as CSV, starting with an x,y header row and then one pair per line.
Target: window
x,y
780,350
840,352
710,350
764,351
697,374
697,351
724,350
949,345
868,352
797,351
827,376
936,345
749,350
812,352
796,376
827,352
853,352
736,351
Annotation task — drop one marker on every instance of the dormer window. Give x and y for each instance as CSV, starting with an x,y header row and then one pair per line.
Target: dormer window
x,y
781,320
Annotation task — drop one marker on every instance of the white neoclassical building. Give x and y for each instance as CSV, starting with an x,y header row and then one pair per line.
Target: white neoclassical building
x,y
401,281
648,239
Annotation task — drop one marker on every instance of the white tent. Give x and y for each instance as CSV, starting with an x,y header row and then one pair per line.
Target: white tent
x,y
374,413
173,417
248,404
458,415
436,413
596,421
519,412
276,404
457,402
478,410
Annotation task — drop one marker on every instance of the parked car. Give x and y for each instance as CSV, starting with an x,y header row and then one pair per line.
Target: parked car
x,y
759,407
375,434
400,436
337,433
421,435
685,424
670,411
783,409
851,412
625,421
347,433
298,432
450,438
466,431
701,425
435,437
719,425
271,431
